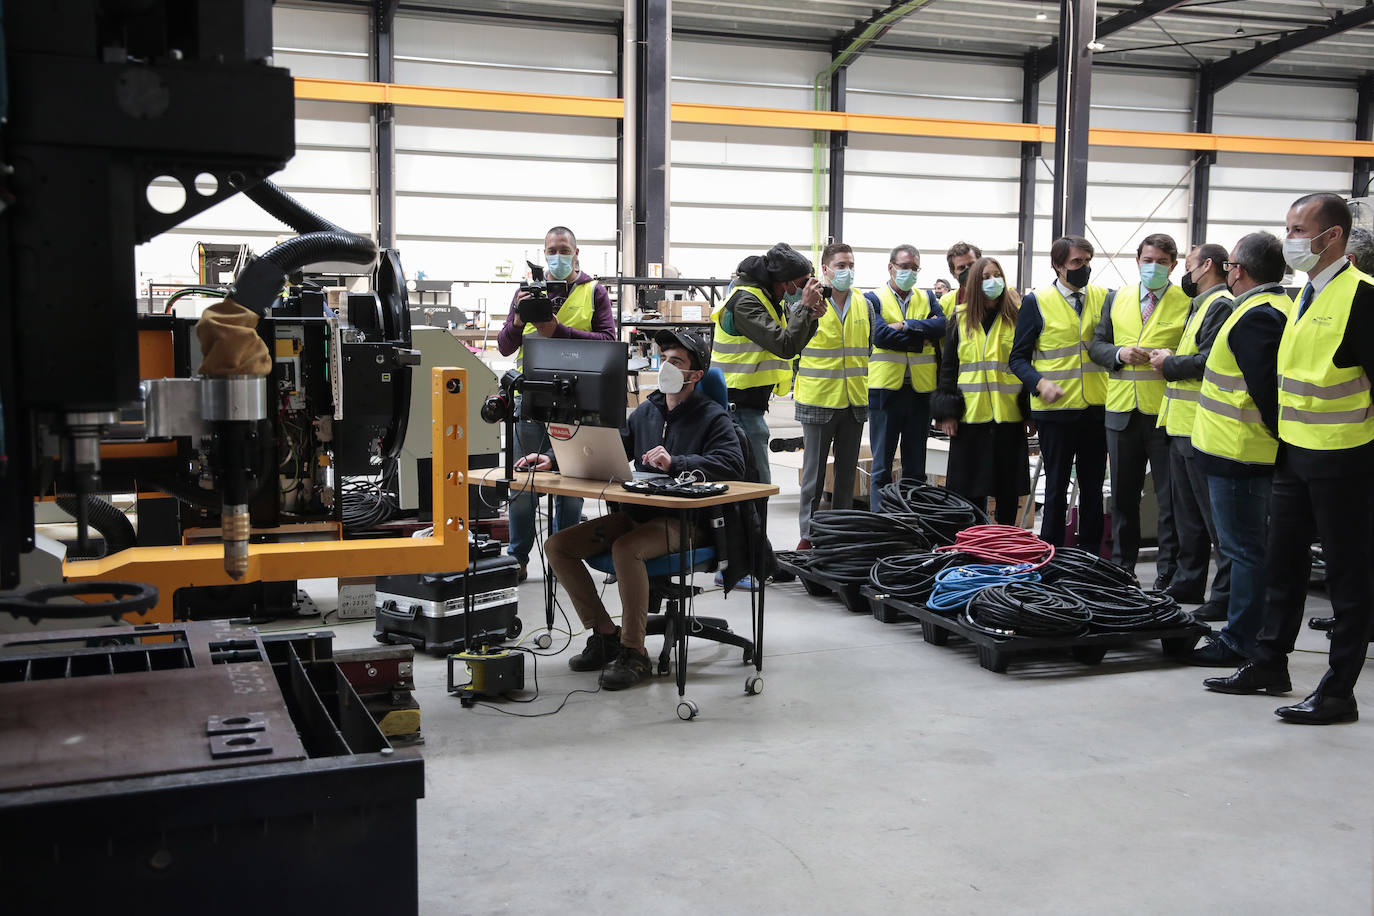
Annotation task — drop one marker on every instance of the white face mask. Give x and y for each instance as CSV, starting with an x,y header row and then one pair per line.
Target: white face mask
x,y
842,280
1299,254
670,378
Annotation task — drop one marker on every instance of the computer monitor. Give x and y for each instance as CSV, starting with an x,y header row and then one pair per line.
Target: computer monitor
x,y
574,381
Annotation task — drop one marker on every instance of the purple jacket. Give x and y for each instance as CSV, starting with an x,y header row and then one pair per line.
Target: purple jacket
x,y
603,320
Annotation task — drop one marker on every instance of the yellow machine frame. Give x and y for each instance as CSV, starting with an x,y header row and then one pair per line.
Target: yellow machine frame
x,y
446,550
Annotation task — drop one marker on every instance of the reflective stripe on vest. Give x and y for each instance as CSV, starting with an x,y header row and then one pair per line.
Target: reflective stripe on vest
x,y
1141,387
833,369
745,363
889,368
1227,423
1321,406
1061,353
575,312
1180,398
989,388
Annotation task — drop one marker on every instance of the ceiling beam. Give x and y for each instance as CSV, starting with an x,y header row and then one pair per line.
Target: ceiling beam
x,y
1047,58
1225,72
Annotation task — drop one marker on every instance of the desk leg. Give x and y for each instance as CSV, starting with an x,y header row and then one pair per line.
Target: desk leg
x,y
550,583
684,577
756,607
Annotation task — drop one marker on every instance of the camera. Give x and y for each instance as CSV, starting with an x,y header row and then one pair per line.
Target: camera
x,y
537,306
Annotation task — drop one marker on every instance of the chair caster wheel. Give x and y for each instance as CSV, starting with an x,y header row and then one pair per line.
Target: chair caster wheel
x,y
543,641
687,710
753,685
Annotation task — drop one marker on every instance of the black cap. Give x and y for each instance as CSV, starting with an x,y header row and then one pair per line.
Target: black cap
x,y
673,337
785,263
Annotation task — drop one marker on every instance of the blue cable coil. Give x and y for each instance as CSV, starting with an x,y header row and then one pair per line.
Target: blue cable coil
x,y
956,585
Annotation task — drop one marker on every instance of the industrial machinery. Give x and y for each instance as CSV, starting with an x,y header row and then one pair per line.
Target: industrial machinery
x,y
149,762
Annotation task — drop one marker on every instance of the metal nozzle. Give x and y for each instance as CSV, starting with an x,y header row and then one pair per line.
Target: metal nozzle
x,y
236,528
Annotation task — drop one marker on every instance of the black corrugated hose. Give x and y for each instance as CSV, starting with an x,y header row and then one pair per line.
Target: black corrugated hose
x,y
1027,609
846,542
941,513
912,577
114,526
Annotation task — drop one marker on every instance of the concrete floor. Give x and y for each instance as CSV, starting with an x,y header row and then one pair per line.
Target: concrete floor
x,y
877,773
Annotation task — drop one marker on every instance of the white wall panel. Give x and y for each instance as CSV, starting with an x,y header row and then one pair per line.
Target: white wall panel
x,y
325,44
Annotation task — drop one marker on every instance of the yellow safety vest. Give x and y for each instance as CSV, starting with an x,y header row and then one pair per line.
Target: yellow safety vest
x,y
1321,406
1180,398
1061,353
1228,423
1141,387
745,363
949,301
985,378
888,368
575,312
833,369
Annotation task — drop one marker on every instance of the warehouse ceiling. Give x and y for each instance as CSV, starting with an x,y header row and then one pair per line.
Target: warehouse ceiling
x,y
1187,34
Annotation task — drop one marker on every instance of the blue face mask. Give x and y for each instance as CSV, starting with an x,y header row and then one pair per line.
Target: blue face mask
x,y
843,280
905,279
1154,276
993,287
560,265
792,298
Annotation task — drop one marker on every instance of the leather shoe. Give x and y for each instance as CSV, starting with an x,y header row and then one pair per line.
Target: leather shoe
x,y
1251,678
1162,582
1322,623
1320,710
1210,611
1184,595
1216,654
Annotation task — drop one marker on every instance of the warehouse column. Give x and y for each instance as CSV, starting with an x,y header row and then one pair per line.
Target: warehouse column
x,y
1030,157
654,130
384,116
839,139
1364,130
1202,172
1076,30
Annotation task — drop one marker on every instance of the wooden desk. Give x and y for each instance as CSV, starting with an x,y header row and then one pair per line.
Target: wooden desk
x,y
551,484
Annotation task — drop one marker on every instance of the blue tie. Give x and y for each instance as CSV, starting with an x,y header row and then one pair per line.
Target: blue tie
x,y
1306,299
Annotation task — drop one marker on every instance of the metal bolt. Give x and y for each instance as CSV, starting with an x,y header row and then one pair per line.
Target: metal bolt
x,y
380,359
388,751
455,386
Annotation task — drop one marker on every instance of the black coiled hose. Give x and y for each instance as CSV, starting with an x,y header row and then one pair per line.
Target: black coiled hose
x,y
940,513
1115,609
912,577
313,247
1028,610
1073,564
846,542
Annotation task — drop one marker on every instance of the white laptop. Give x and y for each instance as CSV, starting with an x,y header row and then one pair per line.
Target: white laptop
x,y
593,453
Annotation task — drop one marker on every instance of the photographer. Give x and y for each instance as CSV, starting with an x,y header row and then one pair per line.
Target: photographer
x,y
581,309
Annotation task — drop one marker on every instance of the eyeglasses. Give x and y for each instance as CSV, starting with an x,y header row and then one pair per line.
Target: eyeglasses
x,y
1227,265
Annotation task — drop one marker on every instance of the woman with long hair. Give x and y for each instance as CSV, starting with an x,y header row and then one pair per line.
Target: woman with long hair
x,y
978,402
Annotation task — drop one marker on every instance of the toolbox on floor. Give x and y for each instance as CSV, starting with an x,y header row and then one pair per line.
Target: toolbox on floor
x,y
427,610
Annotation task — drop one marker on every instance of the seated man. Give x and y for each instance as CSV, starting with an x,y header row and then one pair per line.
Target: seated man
x,y
677,429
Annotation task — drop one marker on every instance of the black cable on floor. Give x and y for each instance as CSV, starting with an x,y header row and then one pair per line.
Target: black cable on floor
x,y
1114,608
1075,565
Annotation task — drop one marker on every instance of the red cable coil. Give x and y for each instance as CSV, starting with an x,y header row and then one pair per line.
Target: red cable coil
x,y
1003,544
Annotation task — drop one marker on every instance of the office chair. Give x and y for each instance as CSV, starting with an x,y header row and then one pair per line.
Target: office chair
x,y
663,589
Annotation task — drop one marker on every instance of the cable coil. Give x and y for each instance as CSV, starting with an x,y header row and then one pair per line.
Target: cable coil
x,y
1027,609
845,543
940,513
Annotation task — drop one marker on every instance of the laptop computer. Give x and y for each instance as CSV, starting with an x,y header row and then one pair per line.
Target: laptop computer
x,y
593,453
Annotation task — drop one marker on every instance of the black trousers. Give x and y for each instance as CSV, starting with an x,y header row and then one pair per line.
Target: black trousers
x,y
1065,445
1193,522
1129,449
1338,511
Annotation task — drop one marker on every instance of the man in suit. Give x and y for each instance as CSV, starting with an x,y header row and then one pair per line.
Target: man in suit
x,y
1137,320
1324,472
